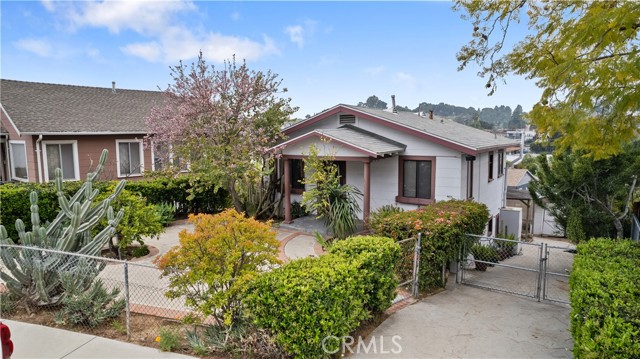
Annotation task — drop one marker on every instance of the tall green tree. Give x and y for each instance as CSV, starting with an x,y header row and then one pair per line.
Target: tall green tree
x,y
583,54
374,102
222,121
600,192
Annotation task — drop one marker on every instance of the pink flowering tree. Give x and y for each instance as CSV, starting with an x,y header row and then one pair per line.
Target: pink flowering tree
x,y
222,122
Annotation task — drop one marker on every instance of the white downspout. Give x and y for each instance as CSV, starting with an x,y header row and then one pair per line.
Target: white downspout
x,y
38,159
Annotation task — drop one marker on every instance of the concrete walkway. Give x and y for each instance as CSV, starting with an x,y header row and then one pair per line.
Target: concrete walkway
x,y
36,341
466,322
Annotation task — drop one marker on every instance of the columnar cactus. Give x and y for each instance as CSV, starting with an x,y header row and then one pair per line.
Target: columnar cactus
x,y
35,275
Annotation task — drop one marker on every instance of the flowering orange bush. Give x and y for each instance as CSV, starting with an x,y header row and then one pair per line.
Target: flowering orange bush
x,y
213,264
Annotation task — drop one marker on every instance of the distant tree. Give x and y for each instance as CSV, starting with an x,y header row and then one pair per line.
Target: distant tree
x,y
529,163
307,117
223,121
584,55
516,119
600,191
374,102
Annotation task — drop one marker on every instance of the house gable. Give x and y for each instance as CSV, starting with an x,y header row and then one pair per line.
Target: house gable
x,y
464,144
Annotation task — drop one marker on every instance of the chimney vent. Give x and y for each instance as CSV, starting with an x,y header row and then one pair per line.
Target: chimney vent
x,y
393,104
431,114
113,86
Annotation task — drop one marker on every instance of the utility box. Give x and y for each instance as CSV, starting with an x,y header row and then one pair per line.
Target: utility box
x,y
511,223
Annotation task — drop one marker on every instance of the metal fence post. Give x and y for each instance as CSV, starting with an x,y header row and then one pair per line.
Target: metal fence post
x,y
541,265
126,299
416,266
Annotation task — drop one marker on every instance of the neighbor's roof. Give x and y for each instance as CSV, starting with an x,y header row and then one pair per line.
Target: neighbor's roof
x,y
461,136
523,194
356,138
515,175
40,108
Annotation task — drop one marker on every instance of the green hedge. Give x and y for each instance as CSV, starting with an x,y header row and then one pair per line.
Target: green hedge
x,y
14,198
377,254
605,299
308,300
443,226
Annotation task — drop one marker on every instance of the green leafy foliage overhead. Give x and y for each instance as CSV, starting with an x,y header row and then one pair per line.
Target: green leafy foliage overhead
x,y
584,55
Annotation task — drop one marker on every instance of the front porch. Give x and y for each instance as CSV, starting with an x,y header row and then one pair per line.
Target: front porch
x,y
348,143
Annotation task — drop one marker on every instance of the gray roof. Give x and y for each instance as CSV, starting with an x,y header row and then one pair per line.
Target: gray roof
x,y
443,128
51,108
366,140
523,194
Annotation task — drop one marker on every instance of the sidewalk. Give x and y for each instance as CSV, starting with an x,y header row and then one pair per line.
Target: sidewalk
x,y
36,341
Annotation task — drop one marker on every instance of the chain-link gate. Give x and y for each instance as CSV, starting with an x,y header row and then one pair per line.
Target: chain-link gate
x,y
408,268
531,269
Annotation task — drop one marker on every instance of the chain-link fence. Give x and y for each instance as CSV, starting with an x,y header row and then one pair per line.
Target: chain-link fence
x,y
83,292
502,264
408,268
538,270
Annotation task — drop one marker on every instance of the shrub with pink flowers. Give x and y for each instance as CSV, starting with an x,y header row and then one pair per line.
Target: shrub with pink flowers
x,y
443,226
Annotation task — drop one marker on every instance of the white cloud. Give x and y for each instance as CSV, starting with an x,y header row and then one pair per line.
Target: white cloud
x,y
166,39
404,79
39,47
295,35
49,5
235,16
150,51
374,70
143,16
179,44
298,34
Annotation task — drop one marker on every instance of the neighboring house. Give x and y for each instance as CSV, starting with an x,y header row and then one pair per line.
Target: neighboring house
x,y
48,126
536,220
400,158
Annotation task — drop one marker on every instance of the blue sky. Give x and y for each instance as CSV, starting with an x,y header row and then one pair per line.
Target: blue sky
x,y
325,52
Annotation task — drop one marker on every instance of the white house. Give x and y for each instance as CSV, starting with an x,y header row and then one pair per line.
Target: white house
x,y
399,158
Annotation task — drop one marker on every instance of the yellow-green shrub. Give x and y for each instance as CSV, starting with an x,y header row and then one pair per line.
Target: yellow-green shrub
x,y
213,264
605,299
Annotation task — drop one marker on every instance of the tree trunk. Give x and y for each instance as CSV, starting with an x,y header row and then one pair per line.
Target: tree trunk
x,y
619,229
237,204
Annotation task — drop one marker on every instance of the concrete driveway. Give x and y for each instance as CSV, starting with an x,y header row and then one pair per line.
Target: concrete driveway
x,y
466,322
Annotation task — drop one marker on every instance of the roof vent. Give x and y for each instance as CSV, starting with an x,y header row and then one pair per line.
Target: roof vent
x,y
347,119
393,104
113,86
431,114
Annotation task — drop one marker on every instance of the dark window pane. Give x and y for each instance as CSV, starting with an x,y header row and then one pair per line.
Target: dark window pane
x,y
424,179
409,181
66,155
134,157
296,167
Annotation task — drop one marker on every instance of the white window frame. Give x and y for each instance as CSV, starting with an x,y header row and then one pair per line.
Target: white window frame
x,y
12,168
140,143
76,164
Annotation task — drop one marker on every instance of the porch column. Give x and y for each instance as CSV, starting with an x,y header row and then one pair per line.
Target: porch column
x,y
367,191
287,191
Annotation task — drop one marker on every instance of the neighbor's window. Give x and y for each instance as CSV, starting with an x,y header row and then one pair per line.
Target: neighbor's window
x,y
500,163
62,155
491,166
130,160
416,182
296,167
18,158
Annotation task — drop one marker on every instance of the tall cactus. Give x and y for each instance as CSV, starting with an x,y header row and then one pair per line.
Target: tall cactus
x,y
34,274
